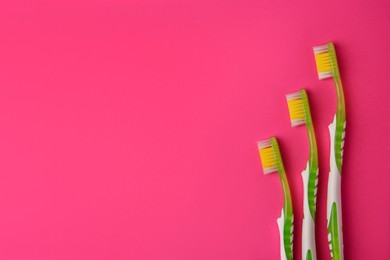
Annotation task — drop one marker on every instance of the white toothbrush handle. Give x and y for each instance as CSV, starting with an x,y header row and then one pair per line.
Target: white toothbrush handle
x,y
280,221
286,230
308,226
334,215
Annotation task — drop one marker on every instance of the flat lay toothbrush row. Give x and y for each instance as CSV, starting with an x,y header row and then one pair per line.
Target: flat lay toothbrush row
x,y
299,110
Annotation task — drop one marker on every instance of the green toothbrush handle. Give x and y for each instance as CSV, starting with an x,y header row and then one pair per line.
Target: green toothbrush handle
x,y
334,216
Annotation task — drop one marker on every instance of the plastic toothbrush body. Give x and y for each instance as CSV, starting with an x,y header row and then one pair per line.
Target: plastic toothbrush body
x,y
272,162
327,67
299,109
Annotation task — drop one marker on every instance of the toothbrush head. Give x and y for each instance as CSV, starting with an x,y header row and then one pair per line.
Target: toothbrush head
x,y
299,109
271,159
326,61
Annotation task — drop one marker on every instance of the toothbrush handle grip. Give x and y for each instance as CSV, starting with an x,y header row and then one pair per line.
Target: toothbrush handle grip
x,y
334,215
286,228
308,225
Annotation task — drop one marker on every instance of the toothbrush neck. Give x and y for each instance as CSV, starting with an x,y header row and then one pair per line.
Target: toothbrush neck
x,y
340,113
313,160
287,203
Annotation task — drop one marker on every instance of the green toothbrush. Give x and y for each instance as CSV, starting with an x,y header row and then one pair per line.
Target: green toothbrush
x,y
272,162
327,67
298,105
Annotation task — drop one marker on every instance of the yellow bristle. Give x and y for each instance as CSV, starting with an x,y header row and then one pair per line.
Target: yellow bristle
x,y
323,62
267,157
295,108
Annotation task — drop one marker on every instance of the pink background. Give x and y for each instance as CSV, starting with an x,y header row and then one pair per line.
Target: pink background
x,y
128,129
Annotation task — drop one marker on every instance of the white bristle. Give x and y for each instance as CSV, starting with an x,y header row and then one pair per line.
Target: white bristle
x,y
320,49
325,75
270,170
264,144
292,96
297,122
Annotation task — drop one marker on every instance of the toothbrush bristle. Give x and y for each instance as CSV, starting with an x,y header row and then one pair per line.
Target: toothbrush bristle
x,y
267,155
296,108
323,61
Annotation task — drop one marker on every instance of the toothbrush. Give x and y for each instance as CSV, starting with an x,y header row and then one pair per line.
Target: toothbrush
x,y
272,162
299,109
326,60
